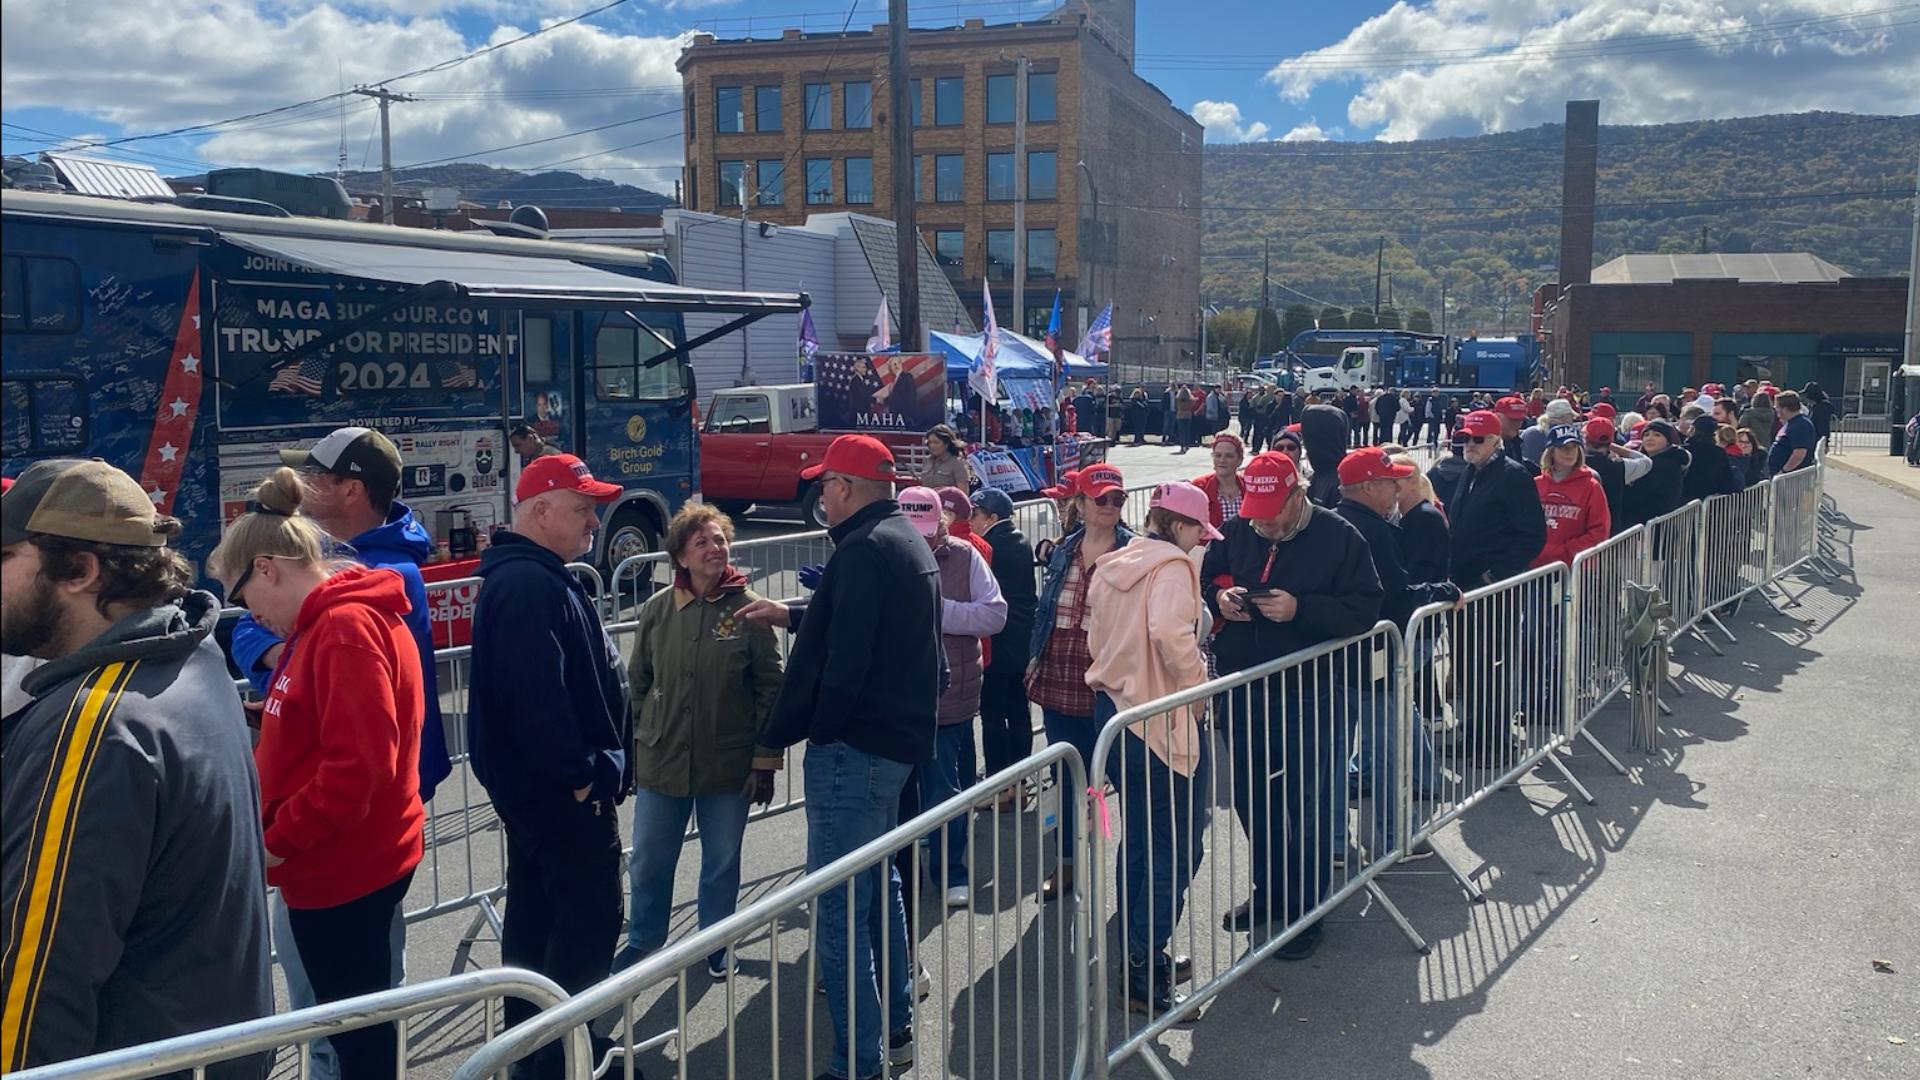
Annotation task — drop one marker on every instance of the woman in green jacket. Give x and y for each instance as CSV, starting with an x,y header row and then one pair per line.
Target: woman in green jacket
x,y
703,680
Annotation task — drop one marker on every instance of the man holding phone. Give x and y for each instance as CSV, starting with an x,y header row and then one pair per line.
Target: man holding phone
x,y
1287,575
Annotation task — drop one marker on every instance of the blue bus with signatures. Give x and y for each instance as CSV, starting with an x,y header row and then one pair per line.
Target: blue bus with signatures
x,y
187,346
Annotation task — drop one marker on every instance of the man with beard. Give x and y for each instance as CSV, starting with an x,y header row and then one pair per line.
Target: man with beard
x,y
127,788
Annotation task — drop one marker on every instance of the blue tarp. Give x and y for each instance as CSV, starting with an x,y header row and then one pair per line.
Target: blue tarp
x,y
1020,357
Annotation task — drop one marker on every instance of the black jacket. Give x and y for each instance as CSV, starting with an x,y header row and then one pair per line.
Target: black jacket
x,y
1497,524
1661,490
865,668
1710,472
1613,480
1424,543
1445,477
548,713
1327,568
1013,569
133,879
1323,433
1400,596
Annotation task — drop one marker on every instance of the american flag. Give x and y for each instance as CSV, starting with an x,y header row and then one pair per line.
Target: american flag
x,y
303,378
455,375
984,379
809,338
1099,337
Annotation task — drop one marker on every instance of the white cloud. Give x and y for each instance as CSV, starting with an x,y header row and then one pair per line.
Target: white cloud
x,y
146,67
1453,67
1311,131
1223,124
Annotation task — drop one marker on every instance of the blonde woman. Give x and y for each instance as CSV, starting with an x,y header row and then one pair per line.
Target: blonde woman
x,y
339,749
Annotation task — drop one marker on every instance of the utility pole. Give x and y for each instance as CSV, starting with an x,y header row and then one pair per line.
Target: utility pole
x,y
1379,264
1703,239
1913,308
1260,319
906,236
746,359
386,98
1020,194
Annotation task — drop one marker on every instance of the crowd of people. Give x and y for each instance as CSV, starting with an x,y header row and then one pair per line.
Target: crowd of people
x,y
917,658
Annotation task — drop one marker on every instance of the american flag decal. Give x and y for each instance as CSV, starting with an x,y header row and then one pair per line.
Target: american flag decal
x,y
303,378
455,375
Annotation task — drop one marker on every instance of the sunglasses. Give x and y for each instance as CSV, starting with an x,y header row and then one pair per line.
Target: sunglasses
x,y
1480,440
1112,500
239,583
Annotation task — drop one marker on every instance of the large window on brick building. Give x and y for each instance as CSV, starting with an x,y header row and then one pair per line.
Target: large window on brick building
x,y
949,177
999,254
1043,254
728,115
1000,92
766,108
949,102
999,177
1042,173
859,180
733,174
1043,105
819,102
819,181
856,105
913,104
950,251
770,182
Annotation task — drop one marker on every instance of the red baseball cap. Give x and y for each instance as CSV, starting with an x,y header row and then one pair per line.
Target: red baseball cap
x,y
1067,488
1371,463
1512,408
1480,422
1599,430
5,482
1268,481
562,472
854,455
1605,410
1098,480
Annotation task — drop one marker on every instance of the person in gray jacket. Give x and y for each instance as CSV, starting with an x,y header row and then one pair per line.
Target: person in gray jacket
x,y
132,867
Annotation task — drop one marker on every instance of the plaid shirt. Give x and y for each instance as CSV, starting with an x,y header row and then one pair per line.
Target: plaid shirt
x,y
1060,680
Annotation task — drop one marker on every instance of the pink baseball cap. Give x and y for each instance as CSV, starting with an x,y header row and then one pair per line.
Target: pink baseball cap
x,y
1189,502
922,507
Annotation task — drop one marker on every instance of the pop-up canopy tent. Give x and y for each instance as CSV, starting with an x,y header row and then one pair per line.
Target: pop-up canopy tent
x,y
1024,366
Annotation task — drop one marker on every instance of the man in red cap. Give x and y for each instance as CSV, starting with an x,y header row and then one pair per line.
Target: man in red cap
x,y
548,728
863,686
1514,414
1297,576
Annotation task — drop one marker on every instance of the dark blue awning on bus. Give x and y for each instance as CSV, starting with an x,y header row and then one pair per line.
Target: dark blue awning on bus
x,y
498,277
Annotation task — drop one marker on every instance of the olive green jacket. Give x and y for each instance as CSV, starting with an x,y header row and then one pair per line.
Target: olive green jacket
x,y
703,680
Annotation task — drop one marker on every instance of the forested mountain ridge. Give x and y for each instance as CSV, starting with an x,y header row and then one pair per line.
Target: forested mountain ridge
x,y
1485,211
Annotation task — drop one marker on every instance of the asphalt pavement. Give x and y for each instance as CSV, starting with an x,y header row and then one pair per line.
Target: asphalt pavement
x,y
1717,913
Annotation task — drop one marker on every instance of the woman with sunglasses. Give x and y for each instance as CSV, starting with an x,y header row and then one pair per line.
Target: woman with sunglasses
x,y
339,749
1057,675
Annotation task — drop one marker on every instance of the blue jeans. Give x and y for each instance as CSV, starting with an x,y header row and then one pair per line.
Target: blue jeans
x,y
853,797
659,830
1080,731
948,774
1281,746
1375,762
325,1065
1164,819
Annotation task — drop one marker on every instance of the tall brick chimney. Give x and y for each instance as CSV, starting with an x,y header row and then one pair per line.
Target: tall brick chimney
x,y
1578,181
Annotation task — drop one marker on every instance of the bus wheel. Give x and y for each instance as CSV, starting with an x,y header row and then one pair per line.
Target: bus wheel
x,y
733,508
810,508
630,533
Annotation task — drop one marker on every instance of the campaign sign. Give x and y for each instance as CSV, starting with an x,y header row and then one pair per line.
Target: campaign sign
x,y
880,392
997,469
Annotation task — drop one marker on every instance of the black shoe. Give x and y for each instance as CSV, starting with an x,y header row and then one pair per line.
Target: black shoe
x,y
1150,993
900,1047
1246,918
1182,967
1303,945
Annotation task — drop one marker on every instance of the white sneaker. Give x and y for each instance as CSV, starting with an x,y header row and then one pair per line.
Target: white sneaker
x,y
922,984
959,897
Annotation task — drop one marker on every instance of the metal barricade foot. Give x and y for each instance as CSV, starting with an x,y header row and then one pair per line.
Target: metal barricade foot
x,y
1413,936
1554,760
485,914
1715,620
1603,751
1152,1058
1704,639
1474,895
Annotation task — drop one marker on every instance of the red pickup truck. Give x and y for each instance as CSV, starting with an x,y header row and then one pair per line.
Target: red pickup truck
x,y
756,439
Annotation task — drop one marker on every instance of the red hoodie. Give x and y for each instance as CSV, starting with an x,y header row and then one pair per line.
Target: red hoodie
x,y
1577,516
339,749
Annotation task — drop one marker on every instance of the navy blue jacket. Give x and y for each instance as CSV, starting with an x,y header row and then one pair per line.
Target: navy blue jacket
x,y
1057,563
1496,523
548,713
401,545
867,667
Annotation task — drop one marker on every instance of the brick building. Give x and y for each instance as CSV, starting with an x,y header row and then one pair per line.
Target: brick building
x,y
1682,320
801,125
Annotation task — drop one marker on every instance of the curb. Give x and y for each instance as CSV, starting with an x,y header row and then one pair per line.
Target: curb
x,y
1909,488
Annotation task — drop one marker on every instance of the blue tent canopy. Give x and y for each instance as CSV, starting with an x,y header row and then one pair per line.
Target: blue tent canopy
x,y
1020,357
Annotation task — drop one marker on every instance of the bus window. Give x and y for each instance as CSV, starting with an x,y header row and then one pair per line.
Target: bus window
x,y
44,415
621,372
39,294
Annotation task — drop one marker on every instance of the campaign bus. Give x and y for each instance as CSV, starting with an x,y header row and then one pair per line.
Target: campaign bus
x,y
188,346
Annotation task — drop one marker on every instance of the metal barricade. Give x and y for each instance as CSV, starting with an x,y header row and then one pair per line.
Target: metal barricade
x,y
1599,660
403,1006
1279,744
995,988
1673,553
1497,673
1733,542
1796,521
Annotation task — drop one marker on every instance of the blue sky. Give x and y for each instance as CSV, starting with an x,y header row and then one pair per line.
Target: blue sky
x,y
1249,70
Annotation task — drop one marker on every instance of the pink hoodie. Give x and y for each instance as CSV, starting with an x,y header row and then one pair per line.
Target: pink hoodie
x,y
1144,626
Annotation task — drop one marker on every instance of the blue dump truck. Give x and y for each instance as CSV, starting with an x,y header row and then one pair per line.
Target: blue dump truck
x,y
187,346
1324,360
